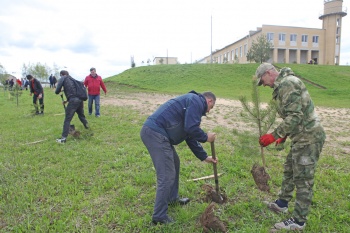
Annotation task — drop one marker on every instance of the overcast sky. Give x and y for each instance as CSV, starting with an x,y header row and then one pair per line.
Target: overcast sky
x,y
79,34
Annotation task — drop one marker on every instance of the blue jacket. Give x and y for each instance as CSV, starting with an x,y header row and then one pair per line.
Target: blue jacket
x,y
179,119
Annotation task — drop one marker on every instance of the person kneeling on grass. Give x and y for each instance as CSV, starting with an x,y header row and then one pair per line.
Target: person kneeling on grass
x,y
75,105
175,121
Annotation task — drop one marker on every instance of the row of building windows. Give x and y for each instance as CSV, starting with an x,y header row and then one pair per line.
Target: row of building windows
x,y
239,52
293,37
234,54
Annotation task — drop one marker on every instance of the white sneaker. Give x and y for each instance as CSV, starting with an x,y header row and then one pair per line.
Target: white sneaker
x,y
289,225
61,140
275,207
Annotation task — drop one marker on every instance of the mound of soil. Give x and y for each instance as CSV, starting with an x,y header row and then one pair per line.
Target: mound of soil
x,y
76,134
73,132
261,177
210,222
212,195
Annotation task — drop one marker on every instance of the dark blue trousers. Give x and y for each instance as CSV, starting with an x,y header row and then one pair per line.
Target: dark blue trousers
x,y
167,164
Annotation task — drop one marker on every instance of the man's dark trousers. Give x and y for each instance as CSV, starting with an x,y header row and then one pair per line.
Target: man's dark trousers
x,y
167,164
75,105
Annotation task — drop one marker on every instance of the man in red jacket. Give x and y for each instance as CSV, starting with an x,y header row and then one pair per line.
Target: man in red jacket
x,y
93,82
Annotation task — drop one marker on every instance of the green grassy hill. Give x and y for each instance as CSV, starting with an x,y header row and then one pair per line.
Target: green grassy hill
x,y
233,80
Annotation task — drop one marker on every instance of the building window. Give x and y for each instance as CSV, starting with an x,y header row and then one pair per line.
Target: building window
x,y
269,36
236,52
304,38
240,51
282,37
338,22
245,50
315,39
338,30
337,40
293,37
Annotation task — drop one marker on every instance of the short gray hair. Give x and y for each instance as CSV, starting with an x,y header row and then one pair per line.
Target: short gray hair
x,y
209,95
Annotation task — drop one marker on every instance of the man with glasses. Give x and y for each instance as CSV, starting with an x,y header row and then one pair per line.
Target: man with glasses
x,y
302,125
93,82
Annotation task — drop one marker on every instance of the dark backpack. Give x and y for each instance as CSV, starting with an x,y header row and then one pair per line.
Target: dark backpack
x,y
81,89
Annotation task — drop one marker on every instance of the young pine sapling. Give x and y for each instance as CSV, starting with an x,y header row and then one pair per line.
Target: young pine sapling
x,y
264,118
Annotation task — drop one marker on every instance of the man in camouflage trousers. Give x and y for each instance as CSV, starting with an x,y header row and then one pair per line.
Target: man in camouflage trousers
x,y
302,125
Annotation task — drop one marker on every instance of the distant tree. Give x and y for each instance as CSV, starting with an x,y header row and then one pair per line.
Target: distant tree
x,y
148,61
260,50
161,61
236,59
38,70
3,75
132,62
56,70
24,70
250,56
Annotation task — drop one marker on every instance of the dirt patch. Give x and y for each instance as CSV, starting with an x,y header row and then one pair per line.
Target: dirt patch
x,y
73,132
211,195
210,222
261,177
227,113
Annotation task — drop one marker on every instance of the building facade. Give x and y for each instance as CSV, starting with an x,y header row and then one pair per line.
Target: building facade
x,y
165,60
292,44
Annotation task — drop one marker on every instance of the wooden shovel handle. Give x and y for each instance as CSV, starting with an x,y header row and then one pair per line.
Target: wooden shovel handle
x,y
215,168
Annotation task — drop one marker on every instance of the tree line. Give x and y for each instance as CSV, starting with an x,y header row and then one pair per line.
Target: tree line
x,y
38,70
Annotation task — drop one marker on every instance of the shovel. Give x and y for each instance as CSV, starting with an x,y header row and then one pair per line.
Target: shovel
x,y
216,196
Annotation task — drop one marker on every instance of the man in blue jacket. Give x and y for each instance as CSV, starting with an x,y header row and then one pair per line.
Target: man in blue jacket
x,y
175,121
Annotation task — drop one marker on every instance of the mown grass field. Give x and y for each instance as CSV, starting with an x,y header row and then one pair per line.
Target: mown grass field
x,y
105,182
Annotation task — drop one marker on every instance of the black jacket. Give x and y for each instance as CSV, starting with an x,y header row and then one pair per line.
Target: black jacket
x,y
70,90
35,87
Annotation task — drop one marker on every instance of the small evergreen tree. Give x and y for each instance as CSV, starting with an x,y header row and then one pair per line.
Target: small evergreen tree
x,y
264,118
16,90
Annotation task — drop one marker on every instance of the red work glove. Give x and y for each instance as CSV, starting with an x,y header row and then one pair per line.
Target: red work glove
x,y
280,140
266,139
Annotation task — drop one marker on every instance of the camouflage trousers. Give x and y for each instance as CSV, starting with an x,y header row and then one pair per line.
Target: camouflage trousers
x,y
299,172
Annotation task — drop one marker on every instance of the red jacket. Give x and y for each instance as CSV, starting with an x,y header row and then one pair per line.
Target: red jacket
x,y
93,85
